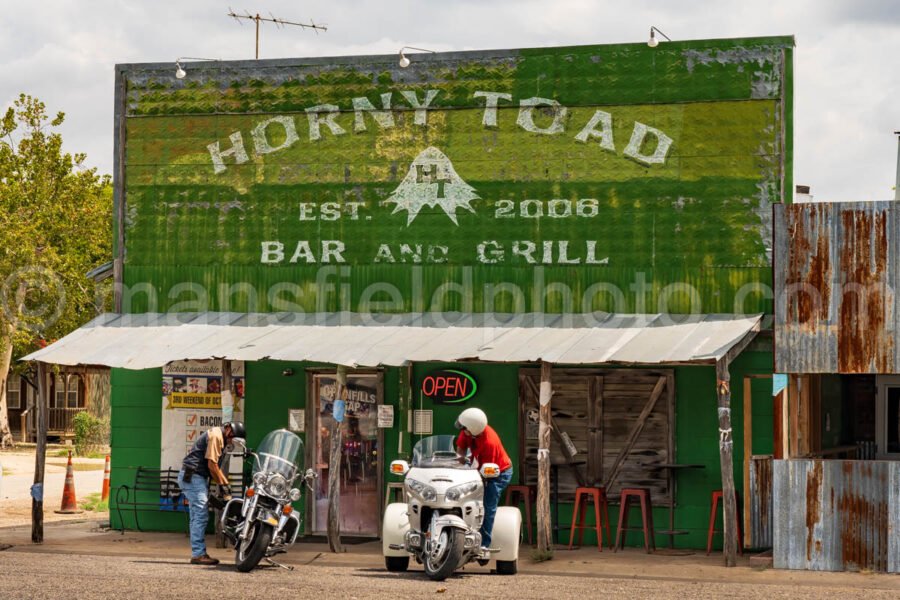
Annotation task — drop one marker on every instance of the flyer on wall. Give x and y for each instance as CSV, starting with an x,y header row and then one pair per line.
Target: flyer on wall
x,y
193,402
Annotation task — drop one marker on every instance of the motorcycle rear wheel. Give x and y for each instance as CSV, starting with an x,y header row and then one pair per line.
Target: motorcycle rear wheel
x,y
440,567
251,550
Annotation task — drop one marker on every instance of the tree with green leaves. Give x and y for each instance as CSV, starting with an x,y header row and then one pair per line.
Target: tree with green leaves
x,y
55,219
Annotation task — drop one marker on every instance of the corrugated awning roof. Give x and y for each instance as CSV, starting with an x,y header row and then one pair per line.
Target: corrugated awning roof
x,y
146,341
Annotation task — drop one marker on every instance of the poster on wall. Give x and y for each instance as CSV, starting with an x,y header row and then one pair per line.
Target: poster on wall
x,y
192,403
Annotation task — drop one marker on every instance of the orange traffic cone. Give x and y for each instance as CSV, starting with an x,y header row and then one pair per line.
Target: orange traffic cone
x,y
104,494
69,504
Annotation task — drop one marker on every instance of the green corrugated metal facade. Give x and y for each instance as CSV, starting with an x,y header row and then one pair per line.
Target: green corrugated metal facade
x,y
316,184
258,180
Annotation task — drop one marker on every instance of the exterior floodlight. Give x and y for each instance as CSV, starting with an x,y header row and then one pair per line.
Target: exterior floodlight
x,y
653,42
404,61
180,73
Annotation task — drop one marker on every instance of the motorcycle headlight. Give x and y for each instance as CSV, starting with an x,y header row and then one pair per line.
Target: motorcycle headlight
x,y
277,485
461,491
295,495
426,492
259,478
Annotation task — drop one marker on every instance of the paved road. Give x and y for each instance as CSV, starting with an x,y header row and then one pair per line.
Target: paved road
x,y
47,575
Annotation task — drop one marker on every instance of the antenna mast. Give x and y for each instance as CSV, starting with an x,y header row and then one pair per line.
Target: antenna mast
x,y
272,19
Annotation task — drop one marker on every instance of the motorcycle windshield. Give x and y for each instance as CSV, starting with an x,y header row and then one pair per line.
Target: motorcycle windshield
x,y
280,452
437,451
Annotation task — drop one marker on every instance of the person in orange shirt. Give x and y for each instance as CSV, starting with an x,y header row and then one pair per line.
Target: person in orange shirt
x,y
480,438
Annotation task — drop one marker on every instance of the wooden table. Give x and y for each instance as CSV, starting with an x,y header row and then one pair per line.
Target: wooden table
x,y
671,469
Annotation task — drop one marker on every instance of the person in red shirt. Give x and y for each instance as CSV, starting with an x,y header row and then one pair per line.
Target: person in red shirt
x,y
480,438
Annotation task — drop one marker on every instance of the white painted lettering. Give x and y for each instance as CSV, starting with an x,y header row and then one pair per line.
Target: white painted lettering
x,y
331,211
564,255
363,105
591,258
525,249
490,106
490,252
332,249
638,136
526,116
236,150
307,210
272,252
438,254
260,138
316,119
384,254
421,117
304,252
604,134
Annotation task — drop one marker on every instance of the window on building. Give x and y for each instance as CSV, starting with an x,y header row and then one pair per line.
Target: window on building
x,y
67,392
14,392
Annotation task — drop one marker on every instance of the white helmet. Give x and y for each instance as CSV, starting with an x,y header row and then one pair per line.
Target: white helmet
x,y
472,419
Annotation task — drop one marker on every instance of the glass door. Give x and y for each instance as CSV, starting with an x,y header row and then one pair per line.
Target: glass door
x,y
360,465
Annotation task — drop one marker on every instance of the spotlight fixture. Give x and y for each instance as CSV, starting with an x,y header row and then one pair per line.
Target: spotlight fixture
x,y
180,73
404,61
653,42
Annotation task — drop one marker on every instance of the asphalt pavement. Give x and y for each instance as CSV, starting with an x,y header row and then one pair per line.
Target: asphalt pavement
x,y
84,560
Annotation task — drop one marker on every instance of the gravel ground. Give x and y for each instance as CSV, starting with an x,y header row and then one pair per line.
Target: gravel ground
x,y
39,575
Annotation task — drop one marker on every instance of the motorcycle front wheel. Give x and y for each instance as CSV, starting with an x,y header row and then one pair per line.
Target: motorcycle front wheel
x,y
445,555
251,549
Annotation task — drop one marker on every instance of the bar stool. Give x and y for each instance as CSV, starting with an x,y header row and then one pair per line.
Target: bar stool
x,y
526,493
641,495
598,496
716,497
391,492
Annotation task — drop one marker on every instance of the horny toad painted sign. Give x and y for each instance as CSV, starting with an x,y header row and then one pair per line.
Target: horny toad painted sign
x,y
588,178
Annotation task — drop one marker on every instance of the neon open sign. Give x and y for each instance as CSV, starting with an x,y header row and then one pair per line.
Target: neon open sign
x,y
448,386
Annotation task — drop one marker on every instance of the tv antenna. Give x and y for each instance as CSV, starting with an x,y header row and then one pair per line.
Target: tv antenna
x,y
272,19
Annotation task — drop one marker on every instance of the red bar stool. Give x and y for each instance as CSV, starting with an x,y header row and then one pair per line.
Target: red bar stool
x,y
716,497
523,493
641,495
579,512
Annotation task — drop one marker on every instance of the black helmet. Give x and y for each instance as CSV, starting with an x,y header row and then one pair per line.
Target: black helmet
x,y
237,429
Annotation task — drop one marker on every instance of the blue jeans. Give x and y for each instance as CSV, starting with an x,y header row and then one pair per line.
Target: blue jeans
x,y
197,493
492,490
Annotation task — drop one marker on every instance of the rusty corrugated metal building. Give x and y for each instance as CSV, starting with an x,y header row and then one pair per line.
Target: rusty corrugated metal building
x,y
836,332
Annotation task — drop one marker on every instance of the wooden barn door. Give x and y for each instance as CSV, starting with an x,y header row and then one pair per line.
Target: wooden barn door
x,y
610,427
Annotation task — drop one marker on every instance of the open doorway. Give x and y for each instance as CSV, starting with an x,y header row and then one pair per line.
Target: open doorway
x,y
360,476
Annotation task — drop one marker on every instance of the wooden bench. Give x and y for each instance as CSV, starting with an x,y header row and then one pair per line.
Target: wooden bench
x,y
158,490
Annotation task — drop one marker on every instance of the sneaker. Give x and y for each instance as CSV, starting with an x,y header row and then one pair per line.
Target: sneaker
x,y
206,559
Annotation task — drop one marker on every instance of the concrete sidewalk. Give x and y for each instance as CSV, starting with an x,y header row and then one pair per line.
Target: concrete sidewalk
x,y
86,537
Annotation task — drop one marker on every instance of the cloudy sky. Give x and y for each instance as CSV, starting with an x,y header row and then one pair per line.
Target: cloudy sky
x,y
847,79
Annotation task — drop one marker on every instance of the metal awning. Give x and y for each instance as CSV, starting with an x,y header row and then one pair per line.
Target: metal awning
x,y
144,341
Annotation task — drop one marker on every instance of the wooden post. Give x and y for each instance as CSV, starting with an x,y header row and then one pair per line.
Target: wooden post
x,y
226,390
748,452
544,527
726,461
403,406
37,493
334,469
726,447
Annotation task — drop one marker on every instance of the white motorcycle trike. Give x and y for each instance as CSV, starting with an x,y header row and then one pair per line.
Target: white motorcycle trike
x,y
440,522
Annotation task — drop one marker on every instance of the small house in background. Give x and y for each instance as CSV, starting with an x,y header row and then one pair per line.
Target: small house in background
x,y
70,391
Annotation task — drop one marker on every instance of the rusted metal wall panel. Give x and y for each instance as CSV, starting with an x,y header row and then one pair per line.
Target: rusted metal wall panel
x,y
835,515
836,268
759,502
